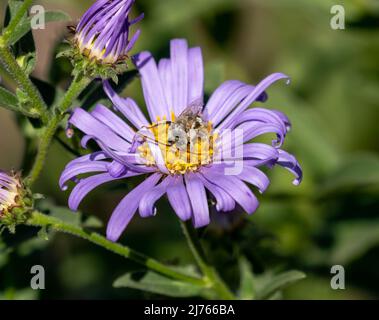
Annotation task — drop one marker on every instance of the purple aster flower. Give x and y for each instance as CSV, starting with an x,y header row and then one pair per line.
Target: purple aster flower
x,y
187,151
103,32
10,186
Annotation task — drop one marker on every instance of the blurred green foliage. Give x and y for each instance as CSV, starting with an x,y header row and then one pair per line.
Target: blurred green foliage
x,y
333,102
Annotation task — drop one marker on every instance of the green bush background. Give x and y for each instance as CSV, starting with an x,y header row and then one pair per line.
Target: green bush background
x,y
333,102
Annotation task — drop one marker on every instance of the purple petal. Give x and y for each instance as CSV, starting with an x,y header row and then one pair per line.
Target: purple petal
x,y
126,209
96,156
255,129
198,199
249,174
6,177
8,185
152,87
195,76
165,73
231,141
258,154
230,103
147,203
290,163
178,197
252,97
265,116
72,171
255,177
85,186
127,107
118,126
224,201
93,127
138,19
116,169
104,30
179,64
284,118
236,189
221,94
134,39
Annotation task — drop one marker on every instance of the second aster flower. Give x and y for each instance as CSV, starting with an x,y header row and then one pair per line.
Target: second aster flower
x,y
186,150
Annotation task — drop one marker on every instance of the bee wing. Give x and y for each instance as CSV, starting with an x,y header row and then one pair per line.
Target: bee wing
x,y
195,108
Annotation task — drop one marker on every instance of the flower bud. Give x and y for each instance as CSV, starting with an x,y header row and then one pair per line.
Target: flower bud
x,y
102,38
15,200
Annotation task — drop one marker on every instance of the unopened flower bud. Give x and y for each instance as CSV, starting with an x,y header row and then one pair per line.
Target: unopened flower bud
x,y
102,39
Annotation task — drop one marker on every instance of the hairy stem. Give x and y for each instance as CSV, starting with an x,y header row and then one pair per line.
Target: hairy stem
x,y
38,219
23,81
43,149
77,86
208,270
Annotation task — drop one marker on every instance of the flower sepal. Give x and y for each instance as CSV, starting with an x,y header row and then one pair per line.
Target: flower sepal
x,y
93,68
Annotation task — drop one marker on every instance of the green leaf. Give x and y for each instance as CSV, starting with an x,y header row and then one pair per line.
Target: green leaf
x,y
268,284
27,62
32,245
25,26
12,9
67,216
25,46
56,16
247,288
357,171
16,15
155,283
189,270
93,222
61,213
353,240
8,100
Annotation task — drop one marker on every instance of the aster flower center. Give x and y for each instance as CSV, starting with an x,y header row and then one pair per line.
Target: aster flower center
x,y
186,143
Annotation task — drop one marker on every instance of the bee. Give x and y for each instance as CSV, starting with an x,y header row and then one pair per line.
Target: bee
x,y
184,131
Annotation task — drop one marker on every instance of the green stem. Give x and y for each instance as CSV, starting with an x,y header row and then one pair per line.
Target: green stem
x,y
43,149
77,86
208,270
23,81
16,20
38,219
